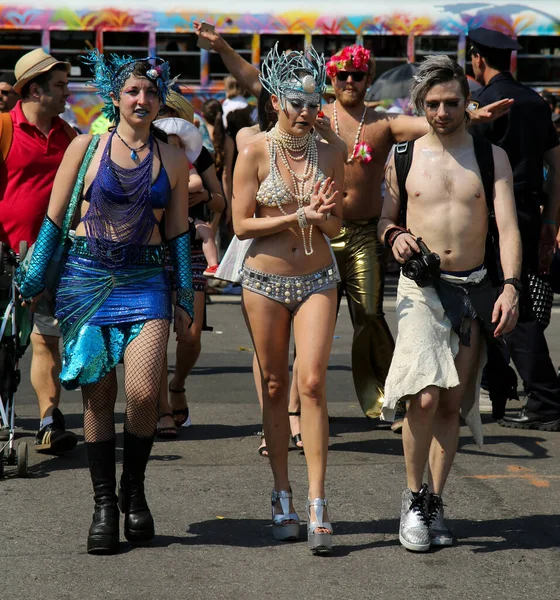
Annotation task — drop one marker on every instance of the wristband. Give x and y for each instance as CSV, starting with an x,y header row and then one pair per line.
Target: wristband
x,y
549,221
209,197
515,282
392,234
31,281
180,250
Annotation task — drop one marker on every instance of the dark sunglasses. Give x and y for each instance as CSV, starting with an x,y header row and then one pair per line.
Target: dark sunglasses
x,y
7,92
357,76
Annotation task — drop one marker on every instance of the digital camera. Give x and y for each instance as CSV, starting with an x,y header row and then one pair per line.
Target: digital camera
x,y
423,267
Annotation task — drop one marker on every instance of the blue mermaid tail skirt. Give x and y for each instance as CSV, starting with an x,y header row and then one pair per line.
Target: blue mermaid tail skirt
x,y
101,310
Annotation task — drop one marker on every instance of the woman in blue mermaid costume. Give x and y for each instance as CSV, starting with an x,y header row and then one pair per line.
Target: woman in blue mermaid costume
x,y
113,301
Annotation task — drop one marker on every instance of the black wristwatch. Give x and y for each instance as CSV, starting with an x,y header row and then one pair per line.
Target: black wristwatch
x,y
516,283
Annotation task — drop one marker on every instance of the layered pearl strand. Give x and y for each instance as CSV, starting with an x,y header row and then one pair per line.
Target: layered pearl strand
x,y
358,133
284,145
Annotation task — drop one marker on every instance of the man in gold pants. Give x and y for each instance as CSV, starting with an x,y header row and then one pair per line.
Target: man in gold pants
x,y
360,256
361,262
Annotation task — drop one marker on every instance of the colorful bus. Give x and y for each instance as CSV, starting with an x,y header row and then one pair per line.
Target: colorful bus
x,y
396,32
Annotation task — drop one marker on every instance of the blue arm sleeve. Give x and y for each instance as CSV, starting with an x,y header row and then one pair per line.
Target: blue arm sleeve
x,y
31,281
180,250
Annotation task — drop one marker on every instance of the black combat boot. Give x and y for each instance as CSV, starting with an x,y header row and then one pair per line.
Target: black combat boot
x,y
103,537
138,520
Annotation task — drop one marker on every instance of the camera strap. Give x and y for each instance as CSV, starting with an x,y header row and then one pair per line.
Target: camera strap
x,y
403,161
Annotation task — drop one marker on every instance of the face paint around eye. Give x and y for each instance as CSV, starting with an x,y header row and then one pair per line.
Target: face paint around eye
x,y
301,99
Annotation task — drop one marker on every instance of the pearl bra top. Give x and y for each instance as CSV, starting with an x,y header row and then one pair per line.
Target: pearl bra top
x,y
272,192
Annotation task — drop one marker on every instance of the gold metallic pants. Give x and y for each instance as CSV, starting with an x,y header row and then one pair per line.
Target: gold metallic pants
x,y
360,258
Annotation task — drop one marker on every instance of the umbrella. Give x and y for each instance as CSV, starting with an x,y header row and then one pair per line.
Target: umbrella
x,y
394,83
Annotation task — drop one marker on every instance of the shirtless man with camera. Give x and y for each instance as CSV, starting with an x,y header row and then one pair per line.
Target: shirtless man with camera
x,y
444,313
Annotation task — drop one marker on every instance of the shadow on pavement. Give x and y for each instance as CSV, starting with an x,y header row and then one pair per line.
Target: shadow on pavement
x,y
257,533
532,446
527,532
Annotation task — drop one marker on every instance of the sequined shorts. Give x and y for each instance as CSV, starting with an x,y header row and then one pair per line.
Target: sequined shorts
x,y
290,291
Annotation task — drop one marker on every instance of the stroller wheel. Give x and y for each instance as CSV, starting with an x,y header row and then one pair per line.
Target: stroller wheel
x,y
22,458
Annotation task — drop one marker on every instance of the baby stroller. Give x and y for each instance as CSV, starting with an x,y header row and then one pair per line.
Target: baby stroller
x,y
15,330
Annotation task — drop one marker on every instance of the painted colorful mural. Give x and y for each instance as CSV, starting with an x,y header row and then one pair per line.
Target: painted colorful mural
x,y
320,17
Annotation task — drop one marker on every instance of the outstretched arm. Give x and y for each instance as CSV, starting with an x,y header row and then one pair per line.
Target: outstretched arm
x,y
506,310
244,72
405,128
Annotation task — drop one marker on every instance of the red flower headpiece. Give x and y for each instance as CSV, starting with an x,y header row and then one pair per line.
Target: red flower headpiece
x,y
356,55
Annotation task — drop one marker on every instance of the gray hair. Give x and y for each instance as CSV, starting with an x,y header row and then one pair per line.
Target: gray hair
x,y
434,70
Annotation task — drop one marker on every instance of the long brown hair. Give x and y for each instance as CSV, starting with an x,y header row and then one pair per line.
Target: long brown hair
x,y
213,114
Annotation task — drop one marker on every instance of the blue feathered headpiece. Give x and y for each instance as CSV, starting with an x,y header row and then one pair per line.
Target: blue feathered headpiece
x,y
110,74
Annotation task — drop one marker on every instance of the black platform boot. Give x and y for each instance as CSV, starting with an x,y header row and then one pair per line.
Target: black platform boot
x,y
103,537
138,521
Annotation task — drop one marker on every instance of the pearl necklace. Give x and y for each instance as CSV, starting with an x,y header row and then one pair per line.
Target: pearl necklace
x,y
358,134
279,143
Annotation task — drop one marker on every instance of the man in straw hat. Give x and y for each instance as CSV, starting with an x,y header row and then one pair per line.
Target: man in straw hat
x,y
33,139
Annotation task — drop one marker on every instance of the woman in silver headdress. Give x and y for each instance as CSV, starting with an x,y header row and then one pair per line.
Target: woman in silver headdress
x,y
292,184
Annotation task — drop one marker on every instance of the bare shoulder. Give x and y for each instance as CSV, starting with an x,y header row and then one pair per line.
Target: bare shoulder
x,y
255,150
80,143
172,154
248,135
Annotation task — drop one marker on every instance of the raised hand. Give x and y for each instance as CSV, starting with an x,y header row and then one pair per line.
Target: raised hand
x,y
322,202
491,112
217,42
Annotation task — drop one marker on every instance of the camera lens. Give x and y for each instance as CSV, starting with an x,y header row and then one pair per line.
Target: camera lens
x,y
411,269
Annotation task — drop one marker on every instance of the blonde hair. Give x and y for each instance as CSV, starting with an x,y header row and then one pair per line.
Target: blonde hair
x,y
233,87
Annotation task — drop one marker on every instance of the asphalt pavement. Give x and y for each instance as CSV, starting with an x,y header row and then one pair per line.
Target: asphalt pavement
x,y
209,492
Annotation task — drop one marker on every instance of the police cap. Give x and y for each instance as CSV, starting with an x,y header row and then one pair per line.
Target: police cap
x,y
492,39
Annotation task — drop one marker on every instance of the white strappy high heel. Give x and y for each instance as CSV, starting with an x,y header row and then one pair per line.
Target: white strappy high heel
x,y
320,542
281,529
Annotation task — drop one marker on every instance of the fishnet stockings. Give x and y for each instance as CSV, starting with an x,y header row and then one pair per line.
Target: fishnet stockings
x,y
144,359
99,409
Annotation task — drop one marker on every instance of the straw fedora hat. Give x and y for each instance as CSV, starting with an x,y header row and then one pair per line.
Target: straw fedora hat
x,y
33,64
183,108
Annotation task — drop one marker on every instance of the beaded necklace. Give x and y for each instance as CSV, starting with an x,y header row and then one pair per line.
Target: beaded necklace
x,y
120,205
283,144
358,133
133,151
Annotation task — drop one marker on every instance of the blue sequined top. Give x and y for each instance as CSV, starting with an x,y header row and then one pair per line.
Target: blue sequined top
x,y
161,188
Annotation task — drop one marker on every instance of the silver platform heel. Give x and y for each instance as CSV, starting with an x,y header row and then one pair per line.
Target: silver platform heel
x,y
281,530
319,543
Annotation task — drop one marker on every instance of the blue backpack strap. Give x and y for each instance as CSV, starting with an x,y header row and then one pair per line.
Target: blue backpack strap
x,y
403,161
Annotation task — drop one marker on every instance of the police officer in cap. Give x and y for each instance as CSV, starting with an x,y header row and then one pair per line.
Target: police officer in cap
x,y
528,137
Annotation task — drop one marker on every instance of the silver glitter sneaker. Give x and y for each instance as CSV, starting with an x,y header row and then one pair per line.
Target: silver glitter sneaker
x,y
439,533
413,532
